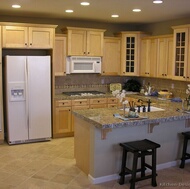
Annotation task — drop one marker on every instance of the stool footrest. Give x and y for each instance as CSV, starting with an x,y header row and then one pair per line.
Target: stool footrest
x,y
142,178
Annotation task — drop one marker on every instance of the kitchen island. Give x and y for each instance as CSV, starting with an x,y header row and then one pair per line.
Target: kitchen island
x,y
98,134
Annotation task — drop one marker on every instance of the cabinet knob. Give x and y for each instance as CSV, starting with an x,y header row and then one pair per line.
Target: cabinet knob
x,y
30,43
84,53
184,77
188,77
80,102
162,74
26,44
63,103
98,101
88,52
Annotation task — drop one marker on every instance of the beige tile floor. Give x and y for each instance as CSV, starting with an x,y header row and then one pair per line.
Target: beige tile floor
x,y
51,165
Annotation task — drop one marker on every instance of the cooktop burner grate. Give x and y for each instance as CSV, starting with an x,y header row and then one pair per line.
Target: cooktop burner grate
x,y
81,93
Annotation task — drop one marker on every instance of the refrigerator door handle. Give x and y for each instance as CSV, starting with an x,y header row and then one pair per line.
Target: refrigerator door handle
x,y
27,93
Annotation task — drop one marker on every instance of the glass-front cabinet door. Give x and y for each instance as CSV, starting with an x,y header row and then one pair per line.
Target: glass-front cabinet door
x,y
181,67
130,56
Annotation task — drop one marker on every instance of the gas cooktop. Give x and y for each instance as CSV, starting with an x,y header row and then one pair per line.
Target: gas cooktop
x,y
83,93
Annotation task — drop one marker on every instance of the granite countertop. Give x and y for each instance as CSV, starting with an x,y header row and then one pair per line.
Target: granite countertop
x,y
66,97
103,117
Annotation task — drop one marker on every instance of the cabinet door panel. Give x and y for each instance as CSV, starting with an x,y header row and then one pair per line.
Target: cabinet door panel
x,y
112,57
15,37
145,58
63,120
94,43
41,37
59,60
76,42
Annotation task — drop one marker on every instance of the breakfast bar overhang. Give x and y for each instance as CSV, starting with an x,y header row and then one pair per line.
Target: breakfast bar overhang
x,y
98,134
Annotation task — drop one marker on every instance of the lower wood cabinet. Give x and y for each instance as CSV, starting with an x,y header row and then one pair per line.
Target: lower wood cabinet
x,y
64,119
98,103
63,124
112,102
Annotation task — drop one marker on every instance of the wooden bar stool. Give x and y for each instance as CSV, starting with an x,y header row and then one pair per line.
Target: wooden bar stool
x,y
140,149
185,155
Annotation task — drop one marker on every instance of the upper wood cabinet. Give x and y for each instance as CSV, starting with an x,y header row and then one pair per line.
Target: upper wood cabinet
x,y
59,59
84,41
181,68
112,56
148,63
165,57
130,52
27,37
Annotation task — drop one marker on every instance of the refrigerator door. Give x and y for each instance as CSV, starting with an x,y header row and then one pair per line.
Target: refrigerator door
x,y
15,98
39,96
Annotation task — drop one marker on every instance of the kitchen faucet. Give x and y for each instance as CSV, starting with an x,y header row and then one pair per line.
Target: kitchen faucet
x,y
148,102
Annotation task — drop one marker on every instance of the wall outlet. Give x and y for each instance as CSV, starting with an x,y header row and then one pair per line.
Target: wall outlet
x,y
172,85
102,81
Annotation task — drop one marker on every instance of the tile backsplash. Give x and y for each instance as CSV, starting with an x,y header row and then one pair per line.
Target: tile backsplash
x,y
84,82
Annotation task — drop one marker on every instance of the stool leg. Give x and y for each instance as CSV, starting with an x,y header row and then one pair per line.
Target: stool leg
x,y
142,164
134,170
123,165
154,167
182,165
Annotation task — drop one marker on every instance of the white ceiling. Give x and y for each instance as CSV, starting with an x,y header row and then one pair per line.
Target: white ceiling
x,y
99,10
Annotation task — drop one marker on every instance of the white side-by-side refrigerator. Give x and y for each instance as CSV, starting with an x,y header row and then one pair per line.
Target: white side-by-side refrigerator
x,y
28,98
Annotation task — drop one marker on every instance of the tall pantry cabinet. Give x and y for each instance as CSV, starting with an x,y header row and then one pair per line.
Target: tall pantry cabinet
x,y
1,96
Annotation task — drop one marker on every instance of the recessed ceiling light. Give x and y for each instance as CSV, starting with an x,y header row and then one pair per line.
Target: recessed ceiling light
x,y
114,15
157,1
16,6
69,11
85,3
136,10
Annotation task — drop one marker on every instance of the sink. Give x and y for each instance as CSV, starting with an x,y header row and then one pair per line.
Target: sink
x,y
152,109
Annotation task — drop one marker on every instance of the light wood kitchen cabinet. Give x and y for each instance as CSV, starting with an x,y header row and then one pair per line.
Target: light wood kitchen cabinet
x,y
112,102
130,52
148,63
60,55
181,69
84,41
165,57
112,56
63,124
15,36
1,97
98,103
79,104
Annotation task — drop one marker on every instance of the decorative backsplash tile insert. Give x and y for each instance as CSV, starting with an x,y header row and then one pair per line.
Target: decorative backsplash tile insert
x,y
80,82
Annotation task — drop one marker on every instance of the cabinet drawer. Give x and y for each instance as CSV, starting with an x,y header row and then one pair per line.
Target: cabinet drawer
x,y
112,105
80,102
112,100
80,107
98,101
63,103
98,106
